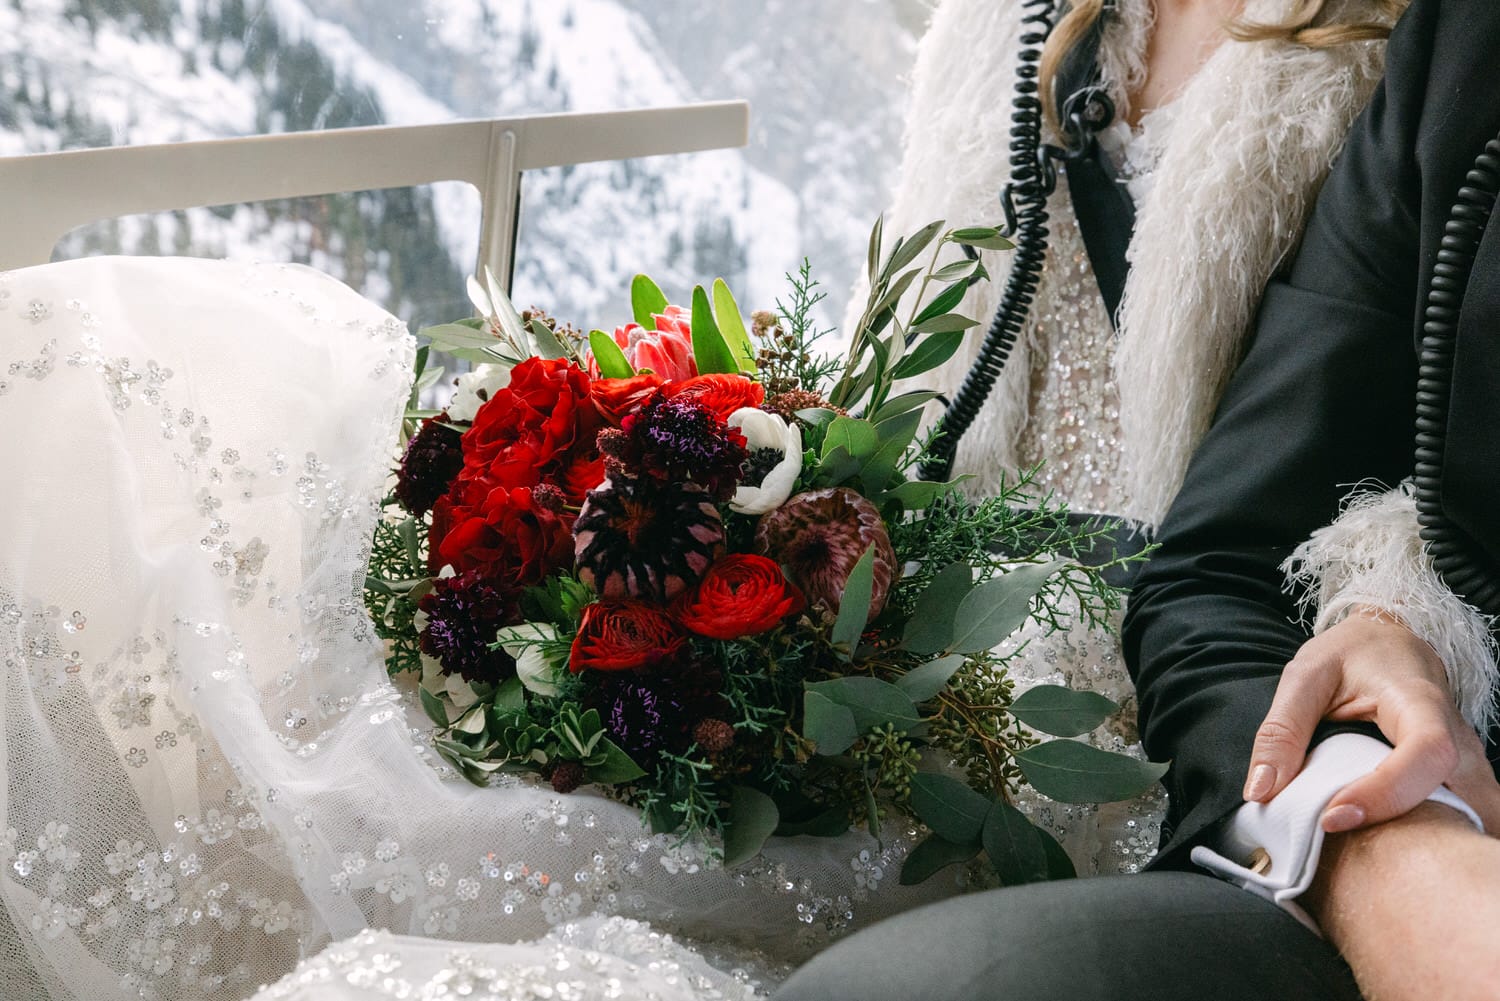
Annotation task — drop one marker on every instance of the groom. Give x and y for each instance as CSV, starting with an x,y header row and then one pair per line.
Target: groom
x,y
1232,691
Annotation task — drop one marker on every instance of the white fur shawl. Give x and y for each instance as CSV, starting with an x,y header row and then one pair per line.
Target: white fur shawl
x,y
1249,141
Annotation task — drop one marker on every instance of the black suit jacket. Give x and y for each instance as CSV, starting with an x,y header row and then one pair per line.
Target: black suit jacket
x,y
1324,400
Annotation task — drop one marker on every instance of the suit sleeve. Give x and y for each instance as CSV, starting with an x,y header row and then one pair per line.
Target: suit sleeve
x,y
1321,402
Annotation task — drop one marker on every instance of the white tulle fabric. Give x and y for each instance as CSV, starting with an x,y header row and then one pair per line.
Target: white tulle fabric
x,y
207,774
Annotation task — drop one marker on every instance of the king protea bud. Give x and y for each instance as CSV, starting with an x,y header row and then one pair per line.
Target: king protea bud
x,y
818,536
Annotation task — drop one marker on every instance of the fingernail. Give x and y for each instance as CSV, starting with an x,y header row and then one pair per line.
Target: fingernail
x,y
1343,818
1262,781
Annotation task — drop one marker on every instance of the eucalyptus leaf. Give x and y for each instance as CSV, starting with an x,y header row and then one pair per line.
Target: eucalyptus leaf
x,y
934,854
931,626
615,768
854,602
925,681
433,706
609,357
1061,712
751,819
929,354
948,806
732,326
829,823
827,724
858,438
1073,772
546,342
1016,852
896,436
510,695
947,323
998,607
1059,865
646,300
944,300
471,722
710,351
871,702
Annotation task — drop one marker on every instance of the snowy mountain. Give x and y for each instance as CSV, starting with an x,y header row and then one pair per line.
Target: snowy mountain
x,y
824,81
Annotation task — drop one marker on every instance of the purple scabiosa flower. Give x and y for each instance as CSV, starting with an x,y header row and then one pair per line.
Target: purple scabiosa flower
x,y
648,715
432,459
463,615
679,441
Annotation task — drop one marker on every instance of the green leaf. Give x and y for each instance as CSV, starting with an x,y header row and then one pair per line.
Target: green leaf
x,y
870,701
959,270
896,435
827,724
830,823
547,344
836,467
433,706
949,807
914,245
1060,711
471,722
898,405
984,237
880,313
816,417
457,335
947,323
1016,853
1073,772
929,353
925,680
616,768
751,819
915,495
510,695
872,259
411,543
858,438
732,325
944,300
930,628
710,350
609,357
998,607
854,602
646,300
934,854
1059,865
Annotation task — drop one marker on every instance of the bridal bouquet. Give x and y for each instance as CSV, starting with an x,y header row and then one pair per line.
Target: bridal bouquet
x,y
688,562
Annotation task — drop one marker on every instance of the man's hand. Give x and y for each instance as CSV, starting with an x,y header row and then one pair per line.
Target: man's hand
x,y
1370,667
1412,905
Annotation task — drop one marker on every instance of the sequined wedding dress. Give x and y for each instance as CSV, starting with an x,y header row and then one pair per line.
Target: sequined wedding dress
x,y
207,774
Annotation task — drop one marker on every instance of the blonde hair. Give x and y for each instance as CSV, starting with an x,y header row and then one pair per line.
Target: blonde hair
x,y
1309,24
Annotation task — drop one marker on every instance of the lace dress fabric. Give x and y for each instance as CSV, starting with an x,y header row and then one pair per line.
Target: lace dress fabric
x,y
1072,437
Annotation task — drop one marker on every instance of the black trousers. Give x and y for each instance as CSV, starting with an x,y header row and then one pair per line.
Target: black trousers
x,y
1167,936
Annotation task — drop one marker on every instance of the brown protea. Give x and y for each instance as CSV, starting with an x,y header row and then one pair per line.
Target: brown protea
x,y
818,536
646,539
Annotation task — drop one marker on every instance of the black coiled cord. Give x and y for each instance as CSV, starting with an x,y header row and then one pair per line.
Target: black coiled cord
x,y
1033,177
1460,562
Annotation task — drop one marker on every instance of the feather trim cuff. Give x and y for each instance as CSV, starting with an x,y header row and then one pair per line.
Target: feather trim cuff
x,y
1372,555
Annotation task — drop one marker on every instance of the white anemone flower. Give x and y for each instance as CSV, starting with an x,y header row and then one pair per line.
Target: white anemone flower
x,y
528,644
488,379
763,430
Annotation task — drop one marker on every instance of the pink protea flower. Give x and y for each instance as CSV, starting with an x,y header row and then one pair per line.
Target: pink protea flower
x,y
819,535
667,350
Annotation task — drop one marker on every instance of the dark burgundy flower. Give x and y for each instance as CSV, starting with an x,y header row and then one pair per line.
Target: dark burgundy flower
x,y
819,536
647,539
680,441
463,615
651,714
433,457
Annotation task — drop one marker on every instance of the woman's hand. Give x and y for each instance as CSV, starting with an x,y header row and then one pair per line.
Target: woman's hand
x,y
1370,667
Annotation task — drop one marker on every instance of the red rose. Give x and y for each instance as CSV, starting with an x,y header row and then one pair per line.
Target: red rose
x,y
722,394
617,399
741,595
545,413
621,634
513,536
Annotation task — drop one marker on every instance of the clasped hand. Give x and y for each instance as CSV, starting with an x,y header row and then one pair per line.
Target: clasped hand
x,y
1370,667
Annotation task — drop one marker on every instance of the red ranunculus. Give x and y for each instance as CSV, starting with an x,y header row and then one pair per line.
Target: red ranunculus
x,y
617,399
622,634
722,394
509,535
741,595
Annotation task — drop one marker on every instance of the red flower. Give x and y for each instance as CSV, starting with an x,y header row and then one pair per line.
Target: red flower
x,y
617,399
624,635
667,351
529,428
722,394
513,536
740,595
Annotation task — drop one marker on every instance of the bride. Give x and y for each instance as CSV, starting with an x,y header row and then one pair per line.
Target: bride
x,y
209,776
